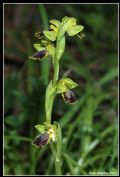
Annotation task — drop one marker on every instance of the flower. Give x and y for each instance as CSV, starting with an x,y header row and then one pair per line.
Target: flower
x,y
44,49
48,133
64,87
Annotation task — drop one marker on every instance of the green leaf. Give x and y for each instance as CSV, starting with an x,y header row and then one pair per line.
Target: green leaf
x,y
59,140
65,84
6,170
38,47
109,76
40,128
51,35
71,163
55,22
74,30
10,84
12,121
49,97
61,47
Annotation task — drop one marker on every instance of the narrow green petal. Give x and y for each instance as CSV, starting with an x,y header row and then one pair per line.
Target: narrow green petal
x,y
51,35
40,128
75,30
55,22
38,47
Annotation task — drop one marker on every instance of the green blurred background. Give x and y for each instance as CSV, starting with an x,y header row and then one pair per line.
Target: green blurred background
x,y
89,127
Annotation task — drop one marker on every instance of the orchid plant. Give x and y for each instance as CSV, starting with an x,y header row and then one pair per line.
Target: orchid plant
x,y
52,42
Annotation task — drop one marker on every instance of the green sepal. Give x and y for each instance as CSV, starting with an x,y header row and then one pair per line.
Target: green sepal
x,y
70,20
61,88
45,42
38,47
75,30
48,126
40,128
51,35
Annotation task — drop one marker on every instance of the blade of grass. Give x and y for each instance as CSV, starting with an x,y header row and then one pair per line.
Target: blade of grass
x,y
109,76
69,114
92,145
114,145
50,166
71,163
20,138
45,64
92,102
76,66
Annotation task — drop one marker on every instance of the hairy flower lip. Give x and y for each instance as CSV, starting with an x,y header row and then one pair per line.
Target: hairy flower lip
x,y
69,97
39,55
41,140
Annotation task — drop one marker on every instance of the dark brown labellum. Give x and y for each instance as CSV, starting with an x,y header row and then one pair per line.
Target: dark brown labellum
x,y
39,55
41,140
69,97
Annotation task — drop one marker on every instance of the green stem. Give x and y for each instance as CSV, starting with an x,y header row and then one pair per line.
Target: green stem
x,y
56,72
55,79
56,61
58,167
49,99
49,112
58,154
56,151
50,96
